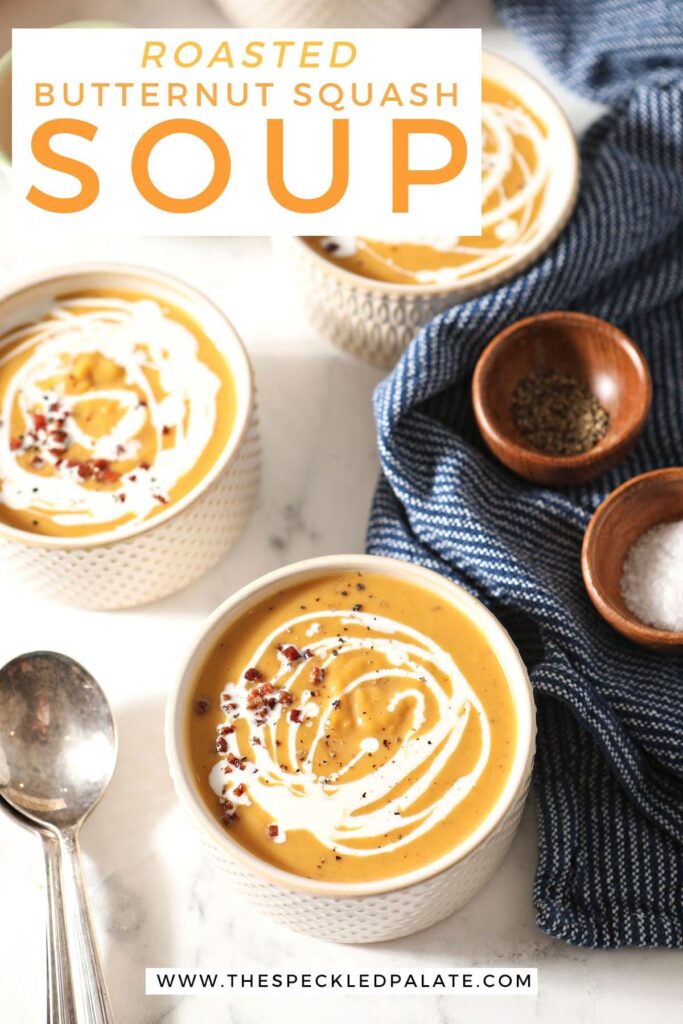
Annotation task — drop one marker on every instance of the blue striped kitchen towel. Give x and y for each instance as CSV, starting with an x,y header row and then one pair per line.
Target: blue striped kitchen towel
x,y
609,769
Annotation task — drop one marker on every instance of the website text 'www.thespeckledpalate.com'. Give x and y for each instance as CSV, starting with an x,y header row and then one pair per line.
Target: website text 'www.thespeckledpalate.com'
x,y
451,981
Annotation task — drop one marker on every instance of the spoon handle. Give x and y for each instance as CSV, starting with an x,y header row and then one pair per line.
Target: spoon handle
x,y
92,989
60,995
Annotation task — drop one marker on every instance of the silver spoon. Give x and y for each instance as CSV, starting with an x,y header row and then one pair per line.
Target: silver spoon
x,y
60,997
57,755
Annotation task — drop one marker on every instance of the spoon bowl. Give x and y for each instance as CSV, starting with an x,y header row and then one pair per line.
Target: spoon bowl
x,y
57,739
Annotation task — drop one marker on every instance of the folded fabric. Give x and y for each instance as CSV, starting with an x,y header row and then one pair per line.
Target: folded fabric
x,y
609,768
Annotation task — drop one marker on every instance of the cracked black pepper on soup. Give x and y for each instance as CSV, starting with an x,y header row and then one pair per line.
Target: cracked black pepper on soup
x,y
558,414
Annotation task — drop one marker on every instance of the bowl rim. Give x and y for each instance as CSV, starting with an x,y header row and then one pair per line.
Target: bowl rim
x,y
626,624
503,646
542,459
503,69
238,363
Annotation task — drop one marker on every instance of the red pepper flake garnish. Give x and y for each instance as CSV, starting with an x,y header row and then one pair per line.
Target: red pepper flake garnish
x,y
84,470
273,831
55,407
132,478
234,761
240,789
256,695
252,675
165,431
291,653
145,465
37,462
39,421
285,697
56,453
120,497
107,476
295,715
160,498
58,436
100,463
15,442
222,745
317,675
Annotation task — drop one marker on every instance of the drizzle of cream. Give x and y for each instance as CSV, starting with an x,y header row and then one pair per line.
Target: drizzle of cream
x,y
339,811
136,335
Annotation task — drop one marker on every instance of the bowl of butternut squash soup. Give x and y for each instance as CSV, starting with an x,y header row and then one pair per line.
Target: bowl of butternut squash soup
x,y
353,738
370,295
128,460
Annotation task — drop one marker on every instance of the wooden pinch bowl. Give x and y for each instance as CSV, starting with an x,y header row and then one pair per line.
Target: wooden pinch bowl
x,y
593,351
624,516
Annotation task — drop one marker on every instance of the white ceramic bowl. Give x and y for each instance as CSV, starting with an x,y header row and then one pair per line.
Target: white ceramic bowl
x,y
155,557
327,13
367,912
377,320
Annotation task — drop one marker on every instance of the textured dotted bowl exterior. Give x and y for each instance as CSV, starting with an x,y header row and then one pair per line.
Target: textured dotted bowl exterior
x,y
327,13
360,317
384,916
152,564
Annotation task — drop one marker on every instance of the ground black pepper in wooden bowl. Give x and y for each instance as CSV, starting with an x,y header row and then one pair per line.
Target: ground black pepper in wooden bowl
x,y
557,414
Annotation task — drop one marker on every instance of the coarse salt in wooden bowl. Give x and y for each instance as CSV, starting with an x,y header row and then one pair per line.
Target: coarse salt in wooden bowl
x,y
598,355
623,518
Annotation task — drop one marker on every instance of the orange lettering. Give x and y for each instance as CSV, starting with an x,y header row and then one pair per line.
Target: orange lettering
x,y
340,169
41,147
221,166
404,176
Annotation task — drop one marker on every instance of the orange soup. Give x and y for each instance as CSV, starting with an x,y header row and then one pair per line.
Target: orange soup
x,y
113,406
352,727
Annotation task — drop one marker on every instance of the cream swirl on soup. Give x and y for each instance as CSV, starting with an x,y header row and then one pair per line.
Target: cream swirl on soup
x,y
347,730
109,412
339,804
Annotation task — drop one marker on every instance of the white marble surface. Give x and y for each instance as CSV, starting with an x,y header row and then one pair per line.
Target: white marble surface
x,y
156,899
